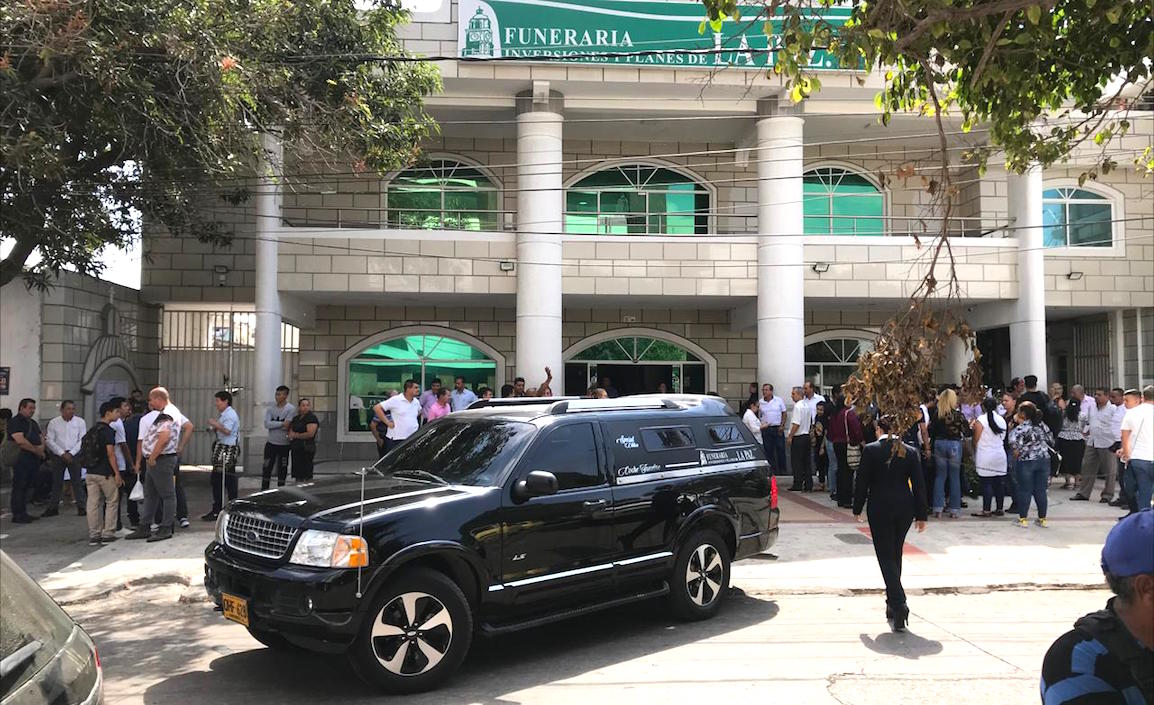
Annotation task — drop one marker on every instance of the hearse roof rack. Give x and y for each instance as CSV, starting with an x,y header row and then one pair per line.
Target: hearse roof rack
x,y
571,406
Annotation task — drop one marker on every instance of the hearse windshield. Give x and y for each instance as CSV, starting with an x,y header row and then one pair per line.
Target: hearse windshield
x,y
475,452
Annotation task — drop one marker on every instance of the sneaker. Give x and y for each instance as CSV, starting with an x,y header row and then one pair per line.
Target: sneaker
x,y
211,516
94,541
153,527
1118,503
184,524
1104,500
1022,522
1041,522
1079,498
999,513
108,539
140,533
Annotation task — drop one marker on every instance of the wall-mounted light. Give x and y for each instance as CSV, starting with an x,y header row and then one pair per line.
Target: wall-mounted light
x,y
1074,276
820,267
221,272
506,266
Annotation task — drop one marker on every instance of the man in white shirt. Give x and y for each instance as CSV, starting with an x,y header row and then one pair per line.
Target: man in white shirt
x,y
772,413
63,440
461,396
399,414
800,447
1099,456
1137,449
158,401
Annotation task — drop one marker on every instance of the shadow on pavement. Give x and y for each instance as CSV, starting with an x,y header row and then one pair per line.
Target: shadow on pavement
x,y
906,645
494,668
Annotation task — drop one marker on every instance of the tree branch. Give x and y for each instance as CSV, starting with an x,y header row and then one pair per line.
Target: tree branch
x,y
990,49
13,265
967,13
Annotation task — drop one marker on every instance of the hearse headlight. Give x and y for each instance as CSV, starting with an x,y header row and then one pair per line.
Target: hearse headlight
x,y
327,549
221,523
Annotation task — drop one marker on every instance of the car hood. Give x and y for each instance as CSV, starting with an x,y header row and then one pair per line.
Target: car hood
x,y
338,499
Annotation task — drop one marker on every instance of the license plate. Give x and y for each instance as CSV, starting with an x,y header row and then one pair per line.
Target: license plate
x,y
234,608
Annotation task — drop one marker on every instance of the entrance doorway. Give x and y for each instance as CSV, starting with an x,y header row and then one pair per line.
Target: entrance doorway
x,y
636,364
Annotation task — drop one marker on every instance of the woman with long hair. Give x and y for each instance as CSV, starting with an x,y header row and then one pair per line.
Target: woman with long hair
x,y
752,419
990,457
1030,443
891,483
947,429
845,431
1071,443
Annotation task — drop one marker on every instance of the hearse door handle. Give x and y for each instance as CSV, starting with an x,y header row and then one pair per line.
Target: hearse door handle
x,y
595,504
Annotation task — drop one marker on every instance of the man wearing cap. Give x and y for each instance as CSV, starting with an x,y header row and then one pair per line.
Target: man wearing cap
x,y
1109,655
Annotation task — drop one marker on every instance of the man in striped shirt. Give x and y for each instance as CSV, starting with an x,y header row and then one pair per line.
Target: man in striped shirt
x,y
1108,658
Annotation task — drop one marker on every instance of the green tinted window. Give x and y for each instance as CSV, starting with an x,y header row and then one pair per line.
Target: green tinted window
x,y
1074,217
443,195
637,200
839,202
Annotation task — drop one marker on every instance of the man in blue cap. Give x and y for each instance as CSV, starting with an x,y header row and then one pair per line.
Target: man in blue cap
x,y
1108,658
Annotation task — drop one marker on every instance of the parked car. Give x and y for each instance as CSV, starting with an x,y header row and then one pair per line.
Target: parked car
x,y
45,657
511,514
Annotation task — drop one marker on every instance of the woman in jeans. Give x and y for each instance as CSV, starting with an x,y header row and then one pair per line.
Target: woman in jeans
x,y
990,457
1030,443
947,429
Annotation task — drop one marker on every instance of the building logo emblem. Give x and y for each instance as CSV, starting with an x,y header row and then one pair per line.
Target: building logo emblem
x,y
480,33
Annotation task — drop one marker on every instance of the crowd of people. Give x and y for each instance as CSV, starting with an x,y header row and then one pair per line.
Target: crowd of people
x,y
127,463
1018,441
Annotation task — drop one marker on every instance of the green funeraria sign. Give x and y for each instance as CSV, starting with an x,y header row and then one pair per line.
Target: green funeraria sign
x,y
635,32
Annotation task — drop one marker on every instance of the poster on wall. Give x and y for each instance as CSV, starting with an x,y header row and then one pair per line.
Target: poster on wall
x,y
5,374
108,388
635,32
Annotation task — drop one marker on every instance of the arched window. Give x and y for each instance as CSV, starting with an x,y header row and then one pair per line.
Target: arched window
x,y
385,366
829,363
837,201
636,364
443,195
1076,217
637,199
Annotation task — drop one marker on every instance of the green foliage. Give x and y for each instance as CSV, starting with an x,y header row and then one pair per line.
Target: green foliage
x,y
1033,71
114,107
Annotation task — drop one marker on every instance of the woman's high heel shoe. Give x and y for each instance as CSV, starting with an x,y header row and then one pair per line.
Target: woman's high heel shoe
x,y
900,618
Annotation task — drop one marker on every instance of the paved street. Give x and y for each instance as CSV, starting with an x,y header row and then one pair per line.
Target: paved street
x,y
806,626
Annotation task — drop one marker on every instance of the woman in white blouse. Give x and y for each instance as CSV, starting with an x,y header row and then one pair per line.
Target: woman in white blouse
x,y
990,456
752,419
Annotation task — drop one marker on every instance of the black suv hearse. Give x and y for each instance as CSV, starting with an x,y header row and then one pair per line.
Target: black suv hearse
x,y
511,514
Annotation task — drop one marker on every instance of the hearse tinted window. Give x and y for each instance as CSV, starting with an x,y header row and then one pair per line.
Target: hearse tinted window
x,y
667,438
725,433
570,453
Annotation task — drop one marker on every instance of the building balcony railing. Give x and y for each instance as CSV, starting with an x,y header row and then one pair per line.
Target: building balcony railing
x,y
627,223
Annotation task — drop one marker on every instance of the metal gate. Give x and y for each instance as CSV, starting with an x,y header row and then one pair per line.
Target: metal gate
x,y
203,352
1091,358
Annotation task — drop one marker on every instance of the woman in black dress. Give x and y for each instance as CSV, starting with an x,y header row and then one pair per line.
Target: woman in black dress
x,y
302,435
896,493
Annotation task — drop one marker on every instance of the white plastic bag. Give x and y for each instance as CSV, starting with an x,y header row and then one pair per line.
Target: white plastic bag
x,y
137,493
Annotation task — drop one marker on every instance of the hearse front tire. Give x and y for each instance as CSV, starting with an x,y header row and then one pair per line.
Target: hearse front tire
x,y
700,576
416,635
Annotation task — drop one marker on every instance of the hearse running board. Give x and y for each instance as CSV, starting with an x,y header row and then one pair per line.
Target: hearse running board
x,y
495,630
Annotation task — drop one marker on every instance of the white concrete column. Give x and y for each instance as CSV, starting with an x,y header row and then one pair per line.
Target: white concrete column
x,y
269,374
1118,347
780,253
540,221
1028,329
957,359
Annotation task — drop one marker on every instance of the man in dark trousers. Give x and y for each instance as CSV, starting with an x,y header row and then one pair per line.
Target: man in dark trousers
x,y
892,482
1108,657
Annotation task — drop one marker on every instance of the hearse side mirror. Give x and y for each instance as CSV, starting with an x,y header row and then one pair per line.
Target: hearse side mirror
x,y
536,484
